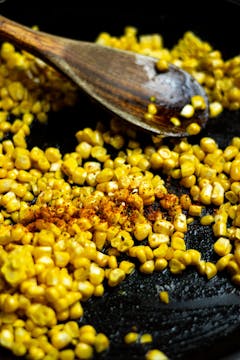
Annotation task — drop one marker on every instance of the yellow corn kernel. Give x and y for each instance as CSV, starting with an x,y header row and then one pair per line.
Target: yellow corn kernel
x,y
162,65
193,128
96,274
83,351
145,338
198,102
222,246
101,343
41,315
180,222
160,264
187,111
235,170
163,227
223,262
142,230
217,196
187,168
61,258
210,269
155,354
147,267
60,339
215,108
127,266
76,311
131,337
156,239
115,277
175,121
67,354
178,243
207,219
195,210
164,297
6,338
176,267
220,228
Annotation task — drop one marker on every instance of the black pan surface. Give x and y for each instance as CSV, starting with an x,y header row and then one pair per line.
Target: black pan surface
x,y
202,319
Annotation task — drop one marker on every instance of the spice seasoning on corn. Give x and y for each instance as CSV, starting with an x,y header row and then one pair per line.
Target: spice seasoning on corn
x,y
65,219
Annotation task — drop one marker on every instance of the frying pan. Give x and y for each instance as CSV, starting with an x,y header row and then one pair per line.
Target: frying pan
x,y
202,319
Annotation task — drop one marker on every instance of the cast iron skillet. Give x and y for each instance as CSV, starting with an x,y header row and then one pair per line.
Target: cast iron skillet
x,y
202,319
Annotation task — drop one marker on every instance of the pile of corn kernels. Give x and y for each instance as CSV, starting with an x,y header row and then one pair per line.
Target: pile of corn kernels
x,y
65,219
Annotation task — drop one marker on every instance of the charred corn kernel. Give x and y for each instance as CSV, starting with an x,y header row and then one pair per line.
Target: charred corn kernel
x,y
155,354
131,337
222,246
185,201
83,351
164,297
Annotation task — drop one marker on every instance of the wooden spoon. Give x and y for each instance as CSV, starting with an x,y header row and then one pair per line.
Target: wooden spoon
x,y
123,81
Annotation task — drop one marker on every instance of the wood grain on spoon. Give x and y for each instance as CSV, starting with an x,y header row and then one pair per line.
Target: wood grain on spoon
x,y
122,81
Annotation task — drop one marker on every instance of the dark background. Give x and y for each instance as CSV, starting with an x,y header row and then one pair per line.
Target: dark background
x,y
202,319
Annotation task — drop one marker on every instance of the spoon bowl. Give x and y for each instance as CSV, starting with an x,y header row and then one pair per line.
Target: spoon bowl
x,y
124,82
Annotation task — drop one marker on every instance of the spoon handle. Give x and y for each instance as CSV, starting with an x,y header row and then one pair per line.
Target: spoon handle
x,y
36,42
